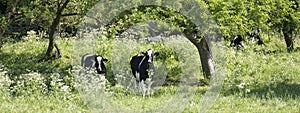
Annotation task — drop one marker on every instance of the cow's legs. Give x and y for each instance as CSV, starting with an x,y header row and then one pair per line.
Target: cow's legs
x,y
148,83
143,88
134,85
137,75
149,88
141,85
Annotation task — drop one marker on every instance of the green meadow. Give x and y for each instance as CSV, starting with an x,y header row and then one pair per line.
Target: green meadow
x,y
258,79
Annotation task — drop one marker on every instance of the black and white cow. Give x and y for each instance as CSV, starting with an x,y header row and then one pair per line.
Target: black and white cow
x,y
90,61
237,42
142,68
255,34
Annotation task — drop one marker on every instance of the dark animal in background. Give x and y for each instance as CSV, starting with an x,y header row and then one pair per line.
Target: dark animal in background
x,y
142,68
90,61
237,42
255,35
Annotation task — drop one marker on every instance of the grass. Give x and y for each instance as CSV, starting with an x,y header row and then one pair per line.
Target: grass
x,y
228,104
42,103
258,79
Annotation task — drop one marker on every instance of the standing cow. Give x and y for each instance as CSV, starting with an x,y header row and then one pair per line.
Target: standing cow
x,y
255,34
142,69
90,61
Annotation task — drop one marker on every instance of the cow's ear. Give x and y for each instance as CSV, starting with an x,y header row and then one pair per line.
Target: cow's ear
x,y
105,60
156,53
143,53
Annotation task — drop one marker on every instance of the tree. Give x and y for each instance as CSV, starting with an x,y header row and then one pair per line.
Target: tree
x,y
231,16
239,17
151,12
50,16
60,8
285,18
9,9
47,15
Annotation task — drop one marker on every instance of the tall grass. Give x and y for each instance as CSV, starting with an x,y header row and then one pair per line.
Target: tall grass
x,y
258,79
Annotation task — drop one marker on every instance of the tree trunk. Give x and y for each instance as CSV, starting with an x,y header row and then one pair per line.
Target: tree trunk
x,y
51,36
53,27
287,29
288,37
58,53
1,42
207,62
1,37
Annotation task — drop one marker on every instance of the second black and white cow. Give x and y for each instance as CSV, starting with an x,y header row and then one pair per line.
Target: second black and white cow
x,y
255,34
142,68
91,61
237,42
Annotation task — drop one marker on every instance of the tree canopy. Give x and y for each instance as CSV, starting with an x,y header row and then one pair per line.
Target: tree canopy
x,y
233,16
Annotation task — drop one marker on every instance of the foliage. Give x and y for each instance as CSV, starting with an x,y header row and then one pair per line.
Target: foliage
x,y
240,17
233,17
266,72
3,24
130,17
284,12
37,15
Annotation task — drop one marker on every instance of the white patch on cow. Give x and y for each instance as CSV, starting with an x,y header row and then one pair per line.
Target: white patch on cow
x,y
141,62
140,86
99,59
150,53
253,40
137,75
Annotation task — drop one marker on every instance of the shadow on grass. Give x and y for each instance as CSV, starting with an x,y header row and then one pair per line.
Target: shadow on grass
x,y
156,92
297,49
24,63
281,90
267,52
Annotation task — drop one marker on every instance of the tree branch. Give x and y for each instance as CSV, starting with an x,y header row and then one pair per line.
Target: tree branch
x,y
60,9
53,27
58,4
70,14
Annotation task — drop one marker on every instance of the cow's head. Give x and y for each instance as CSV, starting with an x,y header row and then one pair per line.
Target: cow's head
x,y
150,54
99,65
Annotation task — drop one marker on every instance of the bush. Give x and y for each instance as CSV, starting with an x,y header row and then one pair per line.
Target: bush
x,y
4,80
